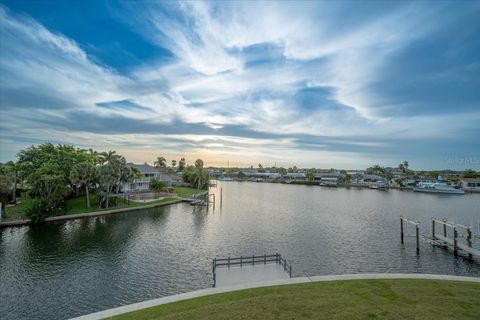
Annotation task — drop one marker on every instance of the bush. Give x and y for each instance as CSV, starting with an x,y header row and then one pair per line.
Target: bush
x,y
41,208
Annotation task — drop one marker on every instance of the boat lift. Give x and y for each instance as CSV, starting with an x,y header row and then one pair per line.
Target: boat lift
x,y
443,239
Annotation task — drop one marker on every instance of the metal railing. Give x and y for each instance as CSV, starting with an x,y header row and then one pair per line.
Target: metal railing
x,y
250,261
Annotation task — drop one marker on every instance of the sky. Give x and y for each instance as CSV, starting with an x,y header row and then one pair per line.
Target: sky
x,y
313,84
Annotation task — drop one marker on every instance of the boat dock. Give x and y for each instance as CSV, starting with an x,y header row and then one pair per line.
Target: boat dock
x,y
240,270
450,236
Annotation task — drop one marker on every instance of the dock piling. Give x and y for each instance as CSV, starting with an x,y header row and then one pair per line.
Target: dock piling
x,y
469,241
401,229
417,233
455,241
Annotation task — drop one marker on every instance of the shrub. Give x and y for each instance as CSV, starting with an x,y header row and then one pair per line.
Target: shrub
x,y
41,208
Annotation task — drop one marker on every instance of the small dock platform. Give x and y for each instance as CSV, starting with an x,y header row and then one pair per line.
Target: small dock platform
x,y
241,270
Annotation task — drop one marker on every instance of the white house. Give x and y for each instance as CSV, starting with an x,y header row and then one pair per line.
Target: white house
x,y
470,184
148,173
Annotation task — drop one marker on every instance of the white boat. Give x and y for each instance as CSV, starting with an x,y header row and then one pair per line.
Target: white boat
x,y
437,187
225,178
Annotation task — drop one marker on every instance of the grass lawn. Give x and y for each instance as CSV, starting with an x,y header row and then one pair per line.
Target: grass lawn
x,y
350,299
185,192
79,205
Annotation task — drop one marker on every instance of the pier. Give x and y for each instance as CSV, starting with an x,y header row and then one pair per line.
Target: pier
x,y
441,237
240,270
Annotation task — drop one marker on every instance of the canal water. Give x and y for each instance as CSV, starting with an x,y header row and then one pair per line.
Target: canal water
x,y
65,269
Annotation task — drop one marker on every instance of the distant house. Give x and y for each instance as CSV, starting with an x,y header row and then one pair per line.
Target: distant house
x,y
294,176
470,184
332,177
148,173
373,178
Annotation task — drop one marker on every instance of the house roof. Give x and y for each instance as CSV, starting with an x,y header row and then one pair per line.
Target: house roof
x,y
143,168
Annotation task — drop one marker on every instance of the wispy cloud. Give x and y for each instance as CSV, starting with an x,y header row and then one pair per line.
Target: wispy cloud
x,y
308,82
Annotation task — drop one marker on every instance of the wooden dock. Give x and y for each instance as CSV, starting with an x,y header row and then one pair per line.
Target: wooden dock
x,y
442,239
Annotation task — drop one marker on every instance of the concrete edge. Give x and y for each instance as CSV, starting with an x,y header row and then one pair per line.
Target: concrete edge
x,y
211,291
17,223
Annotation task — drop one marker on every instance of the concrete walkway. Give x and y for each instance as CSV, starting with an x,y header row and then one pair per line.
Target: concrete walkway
x,y
210,291
227,277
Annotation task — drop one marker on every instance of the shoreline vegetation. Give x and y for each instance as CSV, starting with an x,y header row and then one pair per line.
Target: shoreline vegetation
x,y
340,299
56,180
76,207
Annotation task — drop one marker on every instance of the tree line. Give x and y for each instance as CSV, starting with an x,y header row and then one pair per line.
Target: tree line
x,y
50,174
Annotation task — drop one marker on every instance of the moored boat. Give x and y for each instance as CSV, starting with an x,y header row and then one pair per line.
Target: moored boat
x,y
438,187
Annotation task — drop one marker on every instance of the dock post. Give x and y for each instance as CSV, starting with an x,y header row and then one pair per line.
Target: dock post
x,y
433,229
444,230
265,258
241,261
401,229
228,262
290,270
221,197
455,248
253,260
469,240
417,233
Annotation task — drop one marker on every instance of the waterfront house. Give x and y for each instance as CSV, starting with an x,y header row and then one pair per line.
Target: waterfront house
x,y
333,178
148,173
470,184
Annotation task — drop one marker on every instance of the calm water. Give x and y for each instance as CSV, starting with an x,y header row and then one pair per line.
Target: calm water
x,y
66,269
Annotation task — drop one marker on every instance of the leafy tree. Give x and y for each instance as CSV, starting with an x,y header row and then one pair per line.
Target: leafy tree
x,y
310,174
242,175
469,173
282,171
405,165
108,177
157,186
174,163
83,174
196,175
199,163
260,168
5,188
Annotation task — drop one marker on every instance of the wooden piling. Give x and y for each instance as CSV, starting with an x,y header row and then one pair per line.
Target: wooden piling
x,y
221,197
401,229
417,233
455,241
469,241
444,230
433,229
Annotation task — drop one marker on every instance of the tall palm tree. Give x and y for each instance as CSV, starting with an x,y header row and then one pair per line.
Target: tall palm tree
x,y
160,163
83,174
106,157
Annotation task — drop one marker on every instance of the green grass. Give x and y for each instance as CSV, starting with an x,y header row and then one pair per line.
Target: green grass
x,y
351,299
16,212
79,205
185,192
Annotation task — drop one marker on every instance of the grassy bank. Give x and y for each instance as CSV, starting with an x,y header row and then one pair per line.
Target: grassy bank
x,y
79,204
185,192
351,299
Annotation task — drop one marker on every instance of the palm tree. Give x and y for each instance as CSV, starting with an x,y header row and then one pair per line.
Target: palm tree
x,y
160,163
106,157
83,174
181,164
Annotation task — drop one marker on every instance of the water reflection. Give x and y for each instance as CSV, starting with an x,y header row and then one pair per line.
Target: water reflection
x,y
109,261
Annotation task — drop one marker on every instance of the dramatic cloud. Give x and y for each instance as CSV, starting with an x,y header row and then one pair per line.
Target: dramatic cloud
x,y
313,84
